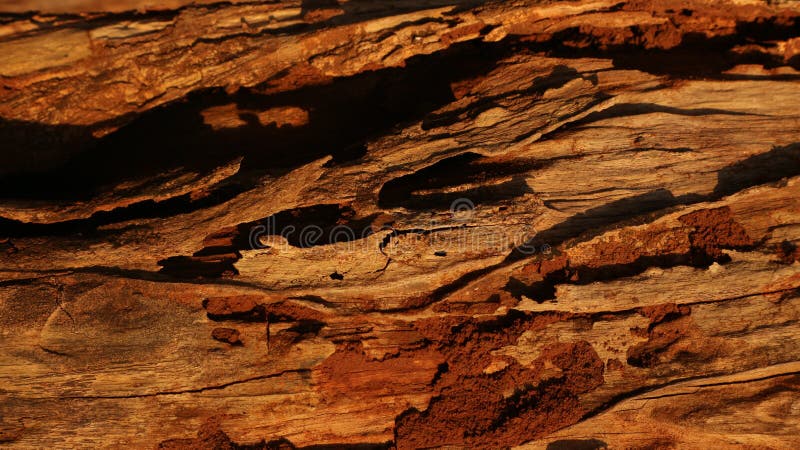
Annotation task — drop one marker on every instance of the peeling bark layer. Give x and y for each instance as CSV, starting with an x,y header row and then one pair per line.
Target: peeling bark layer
x,y
415,224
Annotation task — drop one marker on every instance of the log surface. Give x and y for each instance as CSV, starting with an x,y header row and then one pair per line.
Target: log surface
x,y
412,224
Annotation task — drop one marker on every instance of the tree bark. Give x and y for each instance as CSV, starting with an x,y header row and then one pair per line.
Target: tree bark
x,y
413,224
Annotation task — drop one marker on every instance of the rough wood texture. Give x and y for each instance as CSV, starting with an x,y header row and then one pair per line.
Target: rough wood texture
x,y
413,224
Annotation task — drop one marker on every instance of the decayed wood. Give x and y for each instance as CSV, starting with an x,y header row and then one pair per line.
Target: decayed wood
x,y
418,224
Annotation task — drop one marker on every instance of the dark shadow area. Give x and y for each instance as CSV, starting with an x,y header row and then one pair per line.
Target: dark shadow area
x,y
309,226
30,147
310,5
696,56
540,291
635,109
197,267
577,444
771,166
476,173
303,329
385,446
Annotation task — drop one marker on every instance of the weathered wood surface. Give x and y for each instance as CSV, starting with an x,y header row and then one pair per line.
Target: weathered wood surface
x,y
560,225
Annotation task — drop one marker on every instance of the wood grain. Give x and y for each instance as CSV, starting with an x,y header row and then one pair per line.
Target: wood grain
x,y
417,224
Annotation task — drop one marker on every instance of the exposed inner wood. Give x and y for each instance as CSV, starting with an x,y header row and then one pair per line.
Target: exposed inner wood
x,y
411,224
